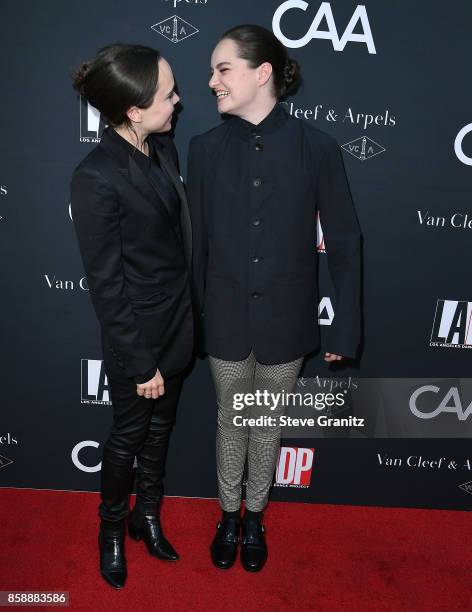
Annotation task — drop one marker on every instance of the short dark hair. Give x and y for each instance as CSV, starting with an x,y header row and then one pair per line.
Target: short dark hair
x,y
119,77
258,45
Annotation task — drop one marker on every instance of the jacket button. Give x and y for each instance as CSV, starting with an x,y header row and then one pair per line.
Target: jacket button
x,y
256,222
256,259
256,295
259,146
257,182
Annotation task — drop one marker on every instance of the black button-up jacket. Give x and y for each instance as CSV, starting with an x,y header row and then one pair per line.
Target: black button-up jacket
x,y
254,192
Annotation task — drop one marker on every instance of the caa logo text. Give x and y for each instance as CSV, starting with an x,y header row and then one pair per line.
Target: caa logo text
x,y
325,311
359,15
461,156
78,463
450,402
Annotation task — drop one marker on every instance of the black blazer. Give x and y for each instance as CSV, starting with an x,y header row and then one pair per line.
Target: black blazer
x,y
136,260
254,193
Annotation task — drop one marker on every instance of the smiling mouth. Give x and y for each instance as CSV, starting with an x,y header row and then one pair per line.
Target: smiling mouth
x,y
221,94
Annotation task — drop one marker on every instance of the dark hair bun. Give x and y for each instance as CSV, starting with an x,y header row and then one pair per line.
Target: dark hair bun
x,y
120,76
291,75
80,75
258,45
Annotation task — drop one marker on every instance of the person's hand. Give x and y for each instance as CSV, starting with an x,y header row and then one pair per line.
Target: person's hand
x,y
332,357
152,388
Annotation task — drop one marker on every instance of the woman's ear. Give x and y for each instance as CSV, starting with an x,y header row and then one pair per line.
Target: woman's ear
x,y
264,74
134,114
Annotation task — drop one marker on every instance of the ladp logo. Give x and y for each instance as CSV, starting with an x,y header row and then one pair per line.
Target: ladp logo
x,y
294,467
94,383
452,326
91,122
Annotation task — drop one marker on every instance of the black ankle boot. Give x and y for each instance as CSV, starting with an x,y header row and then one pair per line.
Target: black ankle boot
x,y
253,547
111,542
147,526
224,547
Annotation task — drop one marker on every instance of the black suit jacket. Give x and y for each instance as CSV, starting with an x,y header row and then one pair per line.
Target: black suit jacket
x,y
254,193
136,260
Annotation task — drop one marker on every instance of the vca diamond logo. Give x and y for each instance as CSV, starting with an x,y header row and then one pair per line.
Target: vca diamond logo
x,y
174,29
467,487
4,461
363,148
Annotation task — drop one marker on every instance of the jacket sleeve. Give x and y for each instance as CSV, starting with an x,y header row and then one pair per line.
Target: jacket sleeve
x,y
196,202
343,248
96,216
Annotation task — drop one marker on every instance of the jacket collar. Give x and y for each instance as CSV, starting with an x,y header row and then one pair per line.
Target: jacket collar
x,y
276,118
120,148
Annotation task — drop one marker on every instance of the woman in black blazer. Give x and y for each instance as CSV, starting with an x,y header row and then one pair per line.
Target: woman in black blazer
x,y
132,224
255,185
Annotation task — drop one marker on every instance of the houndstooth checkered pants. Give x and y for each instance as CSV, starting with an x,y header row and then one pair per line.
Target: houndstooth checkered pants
x,y
260,444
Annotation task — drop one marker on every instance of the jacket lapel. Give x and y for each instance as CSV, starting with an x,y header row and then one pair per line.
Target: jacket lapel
x,y
172,172
147,190
130,170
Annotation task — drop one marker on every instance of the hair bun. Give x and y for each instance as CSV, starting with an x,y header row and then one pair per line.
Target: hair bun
x,y
291,76
80,76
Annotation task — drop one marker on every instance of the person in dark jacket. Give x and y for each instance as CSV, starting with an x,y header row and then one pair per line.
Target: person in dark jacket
x,y
131,218
255,185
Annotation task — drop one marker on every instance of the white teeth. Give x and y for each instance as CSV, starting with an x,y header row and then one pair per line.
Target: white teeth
x,y
222,94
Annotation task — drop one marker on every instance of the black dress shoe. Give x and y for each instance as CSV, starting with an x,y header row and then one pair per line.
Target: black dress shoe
x,y
112,556
253,548
148,528
224,547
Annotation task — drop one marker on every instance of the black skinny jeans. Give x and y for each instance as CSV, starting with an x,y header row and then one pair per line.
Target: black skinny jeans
x,y
141,428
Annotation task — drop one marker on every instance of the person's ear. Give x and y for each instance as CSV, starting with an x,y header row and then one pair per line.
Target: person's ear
x,y
134,114
264,73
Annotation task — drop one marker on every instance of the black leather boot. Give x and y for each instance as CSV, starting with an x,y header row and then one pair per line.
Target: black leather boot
x,y
147,526
253,547
111,542
224,547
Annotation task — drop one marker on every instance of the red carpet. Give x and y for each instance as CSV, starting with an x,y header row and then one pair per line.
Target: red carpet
x,y
321,557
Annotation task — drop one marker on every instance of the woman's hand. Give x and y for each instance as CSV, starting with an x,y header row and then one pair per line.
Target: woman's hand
x,y
152,388
332,357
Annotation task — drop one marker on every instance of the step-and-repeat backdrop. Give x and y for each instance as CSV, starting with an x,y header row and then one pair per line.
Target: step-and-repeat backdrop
x,y
389,80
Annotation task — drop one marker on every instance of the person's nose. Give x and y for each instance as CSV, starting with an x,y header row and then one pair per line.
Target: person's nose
x,y
213,81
